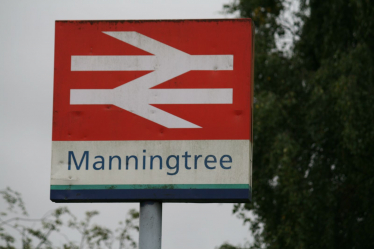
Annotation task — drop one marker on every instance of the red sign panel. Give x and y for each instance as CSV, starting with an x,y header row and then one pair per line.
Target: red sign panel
x,y
153,80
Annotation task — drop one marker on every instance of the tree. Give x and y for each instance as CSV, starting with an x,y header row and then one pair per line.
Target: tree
x,y
35,233
313,174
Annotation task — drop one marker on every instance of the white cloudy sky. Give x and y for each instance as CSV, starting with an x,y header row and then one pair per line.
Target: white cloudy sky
x,y
26,80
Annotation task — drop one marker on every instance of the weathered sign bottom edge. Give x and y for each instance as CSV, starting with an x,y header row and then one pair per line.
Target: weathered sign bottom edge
x,y
164,195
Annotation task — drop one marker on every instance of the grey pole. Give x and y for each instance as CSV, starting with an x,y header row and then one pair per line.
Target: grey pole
x,y
150,225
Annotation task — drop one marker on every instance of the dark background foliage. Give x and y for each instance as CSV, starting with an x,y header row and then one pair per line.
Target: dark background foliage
x,y
313,168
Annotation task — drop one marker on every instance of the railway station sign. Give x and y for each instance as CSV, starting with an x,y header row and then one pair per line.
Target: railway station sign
x,y
152,110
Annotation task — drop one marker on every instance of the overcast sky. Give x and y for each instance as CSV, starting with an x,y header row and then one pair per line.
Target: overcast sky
x,y
26,86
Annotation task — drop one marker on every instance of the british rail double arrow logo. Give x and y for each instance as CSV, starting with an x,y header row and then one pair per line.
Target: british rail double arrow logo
x,y
137,96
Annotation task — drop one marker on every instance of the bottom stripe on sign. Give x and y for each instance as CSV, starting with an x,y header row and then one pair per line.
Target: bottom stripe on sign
x,y
150,186
165,195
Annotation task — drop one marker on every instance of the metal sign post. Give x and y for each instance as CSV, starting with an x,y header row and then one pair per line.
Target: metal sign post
x,y
150,225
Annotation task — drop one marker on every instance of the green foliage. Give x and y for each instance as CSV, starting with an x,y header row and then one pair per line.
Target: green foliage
x,y
36,233
14,201
227,246
313,174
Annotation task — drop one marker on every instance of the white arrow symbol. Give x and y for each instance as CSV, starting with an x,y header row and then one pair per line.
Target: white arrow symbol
x,y
136,96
